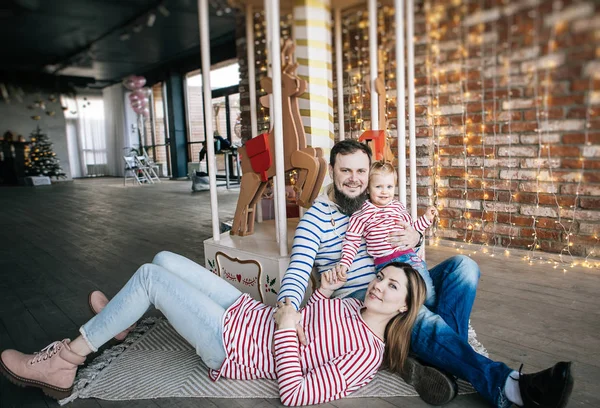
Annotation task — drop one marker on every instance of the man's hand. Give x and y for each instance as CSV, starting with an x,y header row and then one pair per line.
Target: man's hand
x,y
287,317
405,237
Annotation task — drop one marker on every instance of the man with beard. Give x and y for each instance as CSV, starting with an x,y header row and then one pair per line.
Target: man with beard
x,y
440,335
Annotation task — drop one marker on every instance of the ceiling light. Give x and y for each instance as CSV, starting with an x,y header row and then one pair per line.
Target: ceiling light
x,y
125,36
163,10
151,19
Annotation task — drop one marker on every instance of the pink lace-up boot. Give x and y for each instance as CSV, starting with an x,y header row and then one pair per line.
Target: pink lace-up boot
x,y
52,369
98,301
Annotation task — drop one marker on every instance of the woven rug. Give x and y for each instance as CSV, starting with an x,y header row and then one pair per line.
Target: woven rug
x,y
156,362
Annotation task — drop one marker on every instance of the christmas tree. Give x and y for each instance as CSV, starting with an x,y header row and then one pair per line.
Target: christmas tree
x,y
42,160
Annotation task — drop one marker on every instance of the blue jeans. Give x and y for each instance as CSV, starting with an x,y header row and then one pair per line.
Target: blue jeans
x,y
440,334
192,298
419,265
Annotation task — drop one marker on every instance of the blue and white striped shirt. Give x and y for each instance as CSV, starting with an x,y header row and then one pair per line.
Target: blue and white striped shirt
x,y
318,242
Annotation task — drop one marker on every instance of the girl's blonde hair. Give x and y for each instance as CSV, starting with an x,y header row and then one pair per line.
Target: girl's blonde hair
x,y
383,167
399,329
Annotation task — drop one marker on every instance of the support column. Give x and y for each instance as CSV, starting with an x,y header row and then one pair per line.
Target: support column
x,y
177,126
312,31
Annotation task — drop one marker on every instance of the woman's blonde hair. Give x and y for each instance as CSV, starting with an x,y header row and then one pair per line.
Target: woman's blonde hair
x,y
383,167
398,330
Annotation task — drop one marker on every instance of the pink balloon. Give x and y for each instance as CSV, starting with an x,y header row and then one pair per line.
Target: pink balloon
x,y
129,83
146,112
139,93
134,97
138,110
139,82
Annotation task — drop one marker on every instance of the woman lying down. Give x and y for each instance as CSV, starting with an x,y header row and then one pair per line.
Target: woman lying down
x,y
345,341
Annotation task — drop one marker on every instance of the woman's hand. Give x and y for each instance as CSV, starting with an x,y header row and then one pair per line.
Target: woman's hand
x,y
405,237
286,316
333,279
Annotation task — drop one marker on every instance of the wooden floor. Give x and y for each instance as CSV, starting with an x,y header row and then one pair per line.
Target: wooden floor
x,y
57,243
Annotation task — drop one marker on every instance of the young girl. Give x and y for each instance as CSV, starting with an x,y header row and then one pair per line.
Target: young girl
x,y
240,338
376,218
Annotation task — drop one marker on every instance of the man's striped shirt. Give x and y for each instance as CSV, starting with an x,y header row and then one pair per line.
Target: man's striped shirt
x,y
318,243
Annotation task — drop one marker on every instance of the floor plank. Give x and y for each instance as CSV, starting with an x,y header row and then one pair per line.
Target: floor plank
x,y
60,242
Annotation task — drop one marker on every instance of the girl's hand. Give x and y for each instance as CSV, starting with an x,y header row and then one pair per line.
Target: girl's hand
x,y
333,279
431,213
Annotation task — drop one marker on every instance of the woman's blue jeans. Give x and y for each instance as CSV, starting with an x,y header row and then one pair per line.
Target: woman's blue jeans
x,y
440,334
193,299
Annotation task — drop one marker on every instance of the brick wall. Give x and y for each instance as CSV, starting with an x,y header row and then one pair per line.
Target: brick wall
x,y
507,116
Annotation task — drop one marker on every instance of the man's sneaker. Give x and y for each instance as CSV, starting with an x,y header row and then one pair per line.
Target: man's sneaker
x,y
549,388
433,385
52,369
98,301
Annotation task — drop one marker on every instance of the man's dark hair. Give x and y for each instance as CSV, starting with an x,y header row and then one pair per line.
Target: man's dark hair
x,y
348,146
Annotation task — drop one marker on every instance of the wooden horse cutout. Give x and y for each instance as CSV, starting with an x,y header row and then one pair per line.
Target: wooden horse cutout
x,y
376,140
256,156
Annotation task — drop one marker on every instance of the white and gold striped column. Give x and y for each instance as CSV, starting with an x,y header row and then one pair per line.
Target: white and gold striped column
x,y
312,35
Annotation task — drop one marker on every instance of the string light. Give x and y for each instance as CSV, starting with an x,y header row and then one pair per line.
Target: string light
x,y
497,195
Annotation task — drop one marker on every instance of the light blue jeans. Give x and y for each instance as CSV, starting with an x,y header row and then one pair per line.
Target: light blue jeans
x,y
193,299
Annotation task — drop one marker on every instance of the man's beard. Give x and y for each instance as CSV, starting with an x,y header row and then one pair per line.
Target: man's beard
x,y
348,205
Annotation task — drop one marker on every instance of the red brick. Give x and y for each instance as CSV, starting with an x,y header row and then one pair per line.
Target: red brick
x,y
583,85
586,240
518,220
551,223
521,127
450,193
423,131
592,203
553,113
583,112
452,172
566,100
517,242
579,138
577,164
476,106
541,233
441,121
560,151
552,246
451,151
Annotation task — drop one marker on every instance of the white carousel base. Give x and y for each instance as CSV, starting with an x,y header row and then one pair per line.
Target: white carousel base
x,y
251,263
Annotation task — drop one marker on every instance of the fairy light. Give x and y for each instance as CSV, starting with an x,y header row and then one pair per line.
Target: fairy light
x,y
535,241
547,84
507,67
493,155
465,94
483,124
431,121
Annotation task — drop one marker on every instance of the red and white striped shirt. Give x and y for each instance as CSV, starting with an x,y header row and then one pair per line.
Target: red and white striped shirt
x,y
374,224
342,354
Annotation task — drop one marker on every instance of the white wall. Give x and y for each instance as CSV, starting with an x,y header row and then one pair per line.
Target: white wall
x,y
16,117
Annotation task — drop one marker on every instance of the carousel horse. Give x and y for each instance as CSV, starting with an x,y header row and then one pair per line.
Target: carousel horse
x,y
256,156
377,139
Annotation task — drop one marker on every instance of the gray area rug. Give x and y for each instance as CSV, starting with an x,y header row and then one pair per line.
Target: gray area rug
x,y
156,362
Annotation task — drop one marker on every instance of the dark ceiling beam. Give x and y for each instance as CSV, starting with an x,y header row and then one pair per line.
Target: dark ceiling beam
x,y
35,81
222,49
64,62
